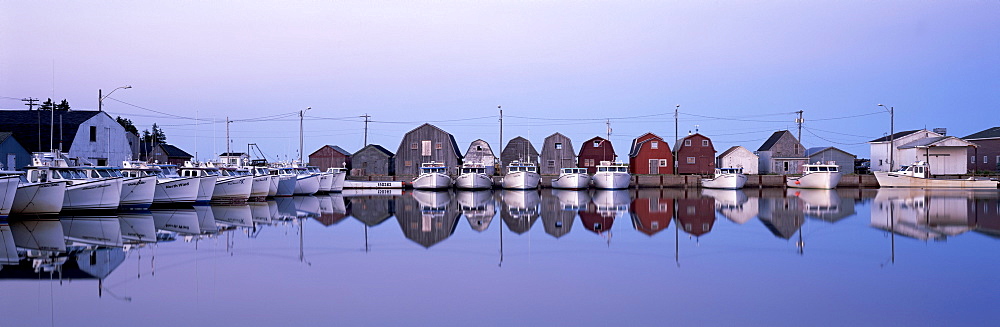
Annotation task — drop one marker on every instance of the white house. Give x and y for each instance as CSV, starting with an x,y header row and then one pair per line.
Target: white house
x,y
86,136
738,157
946,155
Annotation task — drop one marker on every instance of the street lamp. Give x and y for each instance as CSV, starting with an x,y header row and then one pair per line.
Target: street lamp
x,y
892,134
302,114
100,98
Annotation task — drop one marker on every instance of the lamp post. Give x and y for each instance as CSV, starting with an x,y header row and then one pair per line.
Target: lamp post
x,y
892,132
302,114
100,97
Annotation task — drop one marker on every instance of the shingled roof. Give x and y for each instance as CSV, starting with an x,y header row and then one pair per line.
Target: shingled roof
x,y
32,127
896,136
990,133
772,140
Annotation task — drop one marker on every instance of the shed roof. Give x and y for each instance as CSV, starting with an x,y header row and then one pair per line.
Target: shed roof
x,y
894,136
4,136
815,150
26,124
772,140
335,148
454,144
989,133
677,147
378,148
173,151
937,141
733,149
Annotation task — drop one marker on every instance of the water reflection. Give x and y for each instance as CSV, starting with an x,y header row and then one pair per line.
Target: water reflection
x,y
560,209
934,214
519,209
478,208
427,217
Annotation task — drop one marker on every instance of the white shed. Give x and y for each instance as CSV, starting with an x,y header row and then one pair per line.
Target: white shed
x,y
738,157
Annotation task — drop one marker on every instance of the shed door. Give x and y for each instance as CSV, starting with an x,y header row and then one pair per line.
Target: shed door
x,y
11,162
654,166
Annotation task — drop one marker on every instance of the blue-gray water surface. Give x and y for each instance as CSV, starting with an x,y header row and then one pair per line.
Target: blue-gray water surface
x,y
633,257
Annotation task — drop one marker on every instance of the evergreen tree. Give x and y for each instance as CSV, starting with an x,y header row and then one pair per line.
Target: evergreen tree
x,y
127,123
63,105
47,105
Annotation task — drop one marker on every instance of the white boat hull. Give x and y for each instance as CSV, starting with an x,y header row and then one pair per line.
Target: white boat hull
x,y
433,181
820,180
261,187
272,188
138,192
611,180
338,181
474,181
571,181
92,230
8,190
521,180
887,179
104,194
725,181
39,199
306,184
233,189
177,190
206,188
325,182
286,185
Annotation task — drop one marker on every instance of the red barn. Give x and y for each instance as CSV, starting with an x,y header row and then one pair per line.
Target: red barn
x,y
593,151
330,156
695,155
650,155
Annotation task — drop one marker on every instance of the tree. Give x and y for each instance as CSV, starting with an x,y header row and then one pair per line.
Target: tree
x,y
63,105
156,136
47,105
127,123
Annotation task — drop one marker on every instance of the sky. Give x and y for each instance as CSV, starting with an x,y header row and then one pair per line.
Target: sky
x,y
737,69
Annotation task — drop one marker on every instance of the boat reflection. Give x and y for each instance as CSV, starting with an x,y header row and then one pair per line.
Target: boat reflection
x,y
8,249
735,205
928,214
179,220
286,209
427,217
826,205
233,215
137,227
519,209
332,209
478,208
261,212
560,208
306,206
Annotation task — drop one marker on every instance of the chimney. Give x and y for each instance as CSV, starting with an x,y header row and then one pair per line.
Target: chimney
x,y
941,130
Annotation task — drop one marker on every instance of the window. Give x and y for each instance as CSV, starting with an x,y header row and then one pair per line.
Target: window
x,y
690,160
425,148
972,159
663,162
597,143
880,162
438,146
479,148
687,142
654,145
413,146
552,163
588,162
408,163
786,166
704,142
558,146
93,133
985,159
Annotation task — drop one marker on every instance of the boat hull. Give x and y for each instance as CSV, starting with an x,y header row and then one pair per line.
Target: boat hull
x,y
286,185
818,180
8,190
325,182
433,181
887,179
261,187
725,181
306,184
104,194
39,199
272,188
611,180
138,192
571,181
177,190
338,181
521,180
474,181
206,188
233,189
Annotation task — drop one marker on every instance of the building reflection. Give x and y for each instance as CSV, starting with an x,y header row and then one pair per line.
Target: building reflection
x,y
696,214
782,215
560,208
519,209
372,210
932,214
427,217
651,211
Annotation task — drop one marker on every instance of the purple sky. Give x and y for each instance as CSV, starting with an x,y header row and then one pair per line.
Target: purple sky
x,y
560,63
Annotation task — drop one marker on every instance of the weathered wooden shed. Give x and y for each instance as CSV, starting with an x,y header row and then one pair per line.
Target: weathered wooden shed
x,y
427,143
14,155
481,152
695,155
738,157
519,149
329,156
650,155
832,154
373,160
557,153
593,151
781,154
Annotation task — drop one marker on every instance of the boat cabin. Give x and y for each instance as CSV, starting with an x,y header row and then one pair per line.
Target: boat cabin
x,y
566,171
722,171
433,168
99,172
820,168
473,168
516,166
616,167
918,169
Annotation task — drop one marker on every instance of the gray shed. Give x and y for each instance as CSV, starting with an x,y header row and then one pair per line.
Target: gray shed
x,y
15,156
519,149
426,143
829,153
557,153
480,151
372,160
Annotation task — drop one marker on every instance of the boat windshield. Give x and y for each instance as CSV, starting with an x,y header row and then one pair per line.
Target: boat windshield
x,y
212,172
473,170
169,170
103,173
431,170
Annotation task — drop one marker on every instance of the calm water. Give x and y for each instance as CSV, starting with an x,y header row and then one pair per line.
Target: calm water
x,y
652,257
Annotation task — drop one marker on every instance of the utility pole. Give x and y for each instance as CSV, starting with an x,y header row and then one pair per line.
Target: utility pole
x,y
228,152
501,147
366,116
607,122
676,110
892,134
30,102
799,122
302,114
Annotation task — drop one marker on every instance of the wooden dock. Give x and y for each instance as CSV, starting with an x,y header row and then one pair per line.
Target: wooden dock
x,y
676,181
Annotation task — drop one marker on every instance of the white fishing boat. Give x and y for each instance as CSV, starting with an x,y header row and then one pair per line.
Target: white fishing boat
x,y
521,176
325,179
472,176
8,189
261,186
233,185
918,175
818,175
612,175
82,191
306,183
170,187
206,181
286,180
726,178
433,176
35,198
572,179
339,177
137,191
272,179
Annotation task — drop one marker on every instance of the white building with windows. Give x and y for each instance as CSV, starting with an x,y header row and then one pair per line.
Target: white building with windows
x,y
86,136
946,155
739,157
